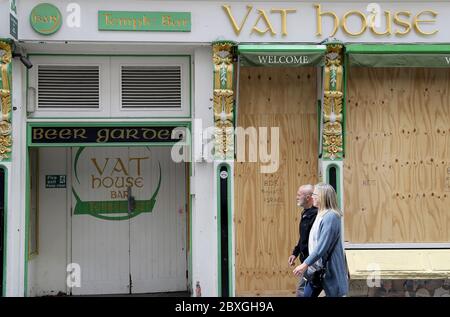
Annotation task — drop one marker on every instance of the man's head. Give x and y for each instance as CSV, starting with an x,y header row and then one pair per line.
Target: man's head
x,y
304,196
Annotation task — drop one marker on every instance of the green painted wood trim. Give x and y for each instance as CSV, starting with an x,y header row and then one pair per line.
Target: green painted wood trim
x,y
319,121
219,248
282,55
400,60
27,221
338,181
230,232
190,272
110,55
30,125
191,92
344,103
5,228
397,48
262,48
398,55
109,118
123,144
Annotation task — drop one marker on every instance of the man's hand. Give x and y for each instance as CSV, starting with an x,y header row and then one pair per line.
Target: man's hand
x,y
300,269
292,260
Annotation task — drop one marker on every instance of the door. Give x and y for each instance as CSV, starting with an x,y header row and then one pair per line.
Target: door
x,y
158,239
128,245
266,215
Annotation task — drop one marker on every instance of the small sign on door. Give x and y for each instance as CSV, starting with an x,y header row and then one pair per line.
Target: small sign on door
x,y
447,181
55,181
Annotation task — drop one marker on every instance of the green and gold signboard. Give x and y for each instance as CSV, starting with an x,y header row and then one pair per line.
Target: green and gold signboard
x,y
45,19
144,21
116,183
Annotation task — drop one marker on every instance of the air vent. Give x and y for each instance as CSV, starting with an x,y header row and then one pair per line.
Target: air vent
x,y
151,87
66,87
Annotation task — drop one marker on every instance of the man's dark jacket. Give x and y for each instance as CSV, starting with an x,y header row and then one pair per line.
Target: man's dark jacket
x,y
306,222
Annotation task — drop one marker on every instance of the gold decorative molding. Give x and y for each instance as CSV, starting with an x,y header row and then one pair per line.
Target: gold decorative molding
x,y
5,95
223,59
333,102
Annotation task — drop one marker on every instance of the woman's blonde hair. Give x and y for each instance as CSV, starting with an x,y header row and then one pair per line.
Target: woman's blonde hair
x,y
327,198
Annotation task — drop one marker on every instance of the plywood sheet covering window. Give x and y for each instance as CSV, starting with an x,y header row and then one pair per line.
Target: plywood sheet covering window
x,y
266,216
397,165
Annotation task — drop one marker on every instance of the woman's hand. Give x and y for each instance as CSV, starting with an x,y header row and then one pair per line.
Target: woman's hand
x,y
300,269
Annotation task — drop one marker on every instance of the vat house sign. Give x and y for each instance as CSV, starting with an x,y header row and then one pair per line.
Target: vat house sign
x,y
105,178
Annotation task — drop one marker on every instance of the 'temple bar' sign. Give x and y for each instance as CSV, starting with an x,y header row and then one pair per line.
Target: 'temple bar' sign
x,y
144,21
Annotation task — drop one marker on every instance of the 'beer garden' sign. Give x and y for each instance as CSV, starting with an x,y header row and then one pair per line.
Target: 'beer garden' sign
x,y
82,135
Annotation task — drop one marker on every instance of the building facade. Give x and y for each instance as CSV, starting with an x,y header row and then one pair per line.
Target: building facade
x,y
157,146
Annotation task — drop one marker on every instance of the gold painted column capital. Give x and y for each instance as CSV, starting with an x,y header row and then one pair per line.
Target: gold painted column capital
x,y
333,98
5,97
224,96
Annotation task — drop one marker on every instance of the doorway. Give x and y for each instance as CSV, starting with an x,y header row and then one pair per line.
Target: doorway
x,y
123,248
115,218
266,215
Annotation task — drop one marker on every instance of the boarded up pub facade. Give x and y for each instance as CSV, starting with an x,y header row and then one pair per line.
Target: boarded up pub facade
x,y
120,168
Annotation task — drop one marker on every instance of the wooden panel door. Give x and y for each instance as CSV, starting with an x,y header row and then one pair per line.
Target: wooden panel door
x,y
158,260
266,215
100,246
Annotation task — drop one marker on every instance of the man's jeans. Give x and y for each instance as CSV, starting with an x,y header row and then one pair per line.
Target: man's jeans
x,y
311,291
301,287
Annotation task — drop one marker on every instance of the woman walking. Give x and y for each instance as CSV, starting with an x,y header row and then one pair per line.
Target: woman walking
x,y
325,247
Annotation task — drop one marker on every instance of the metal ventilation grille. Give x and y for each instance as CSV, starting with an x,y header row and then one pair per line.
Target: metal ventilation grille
x,y
63,86
151,87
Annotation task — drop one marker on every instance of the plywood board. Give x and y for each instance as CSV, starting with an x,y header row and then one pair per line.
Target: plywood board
x,y
266,216
397,164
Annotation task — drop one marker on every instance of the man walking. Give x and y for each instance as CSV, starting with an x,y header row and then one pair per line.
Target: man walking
x,y
304,200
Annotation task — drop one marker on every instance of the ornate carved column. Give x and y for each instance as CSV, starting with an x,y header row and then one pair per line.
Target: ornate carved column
x,y
223,58
5,95
333,102
224,97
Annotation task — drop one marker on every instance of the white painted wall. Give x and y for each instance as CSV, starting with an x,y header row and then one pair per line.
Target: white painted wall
x,y
204,211
47,269
4,19
49,272
16,198
210,21
8,195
